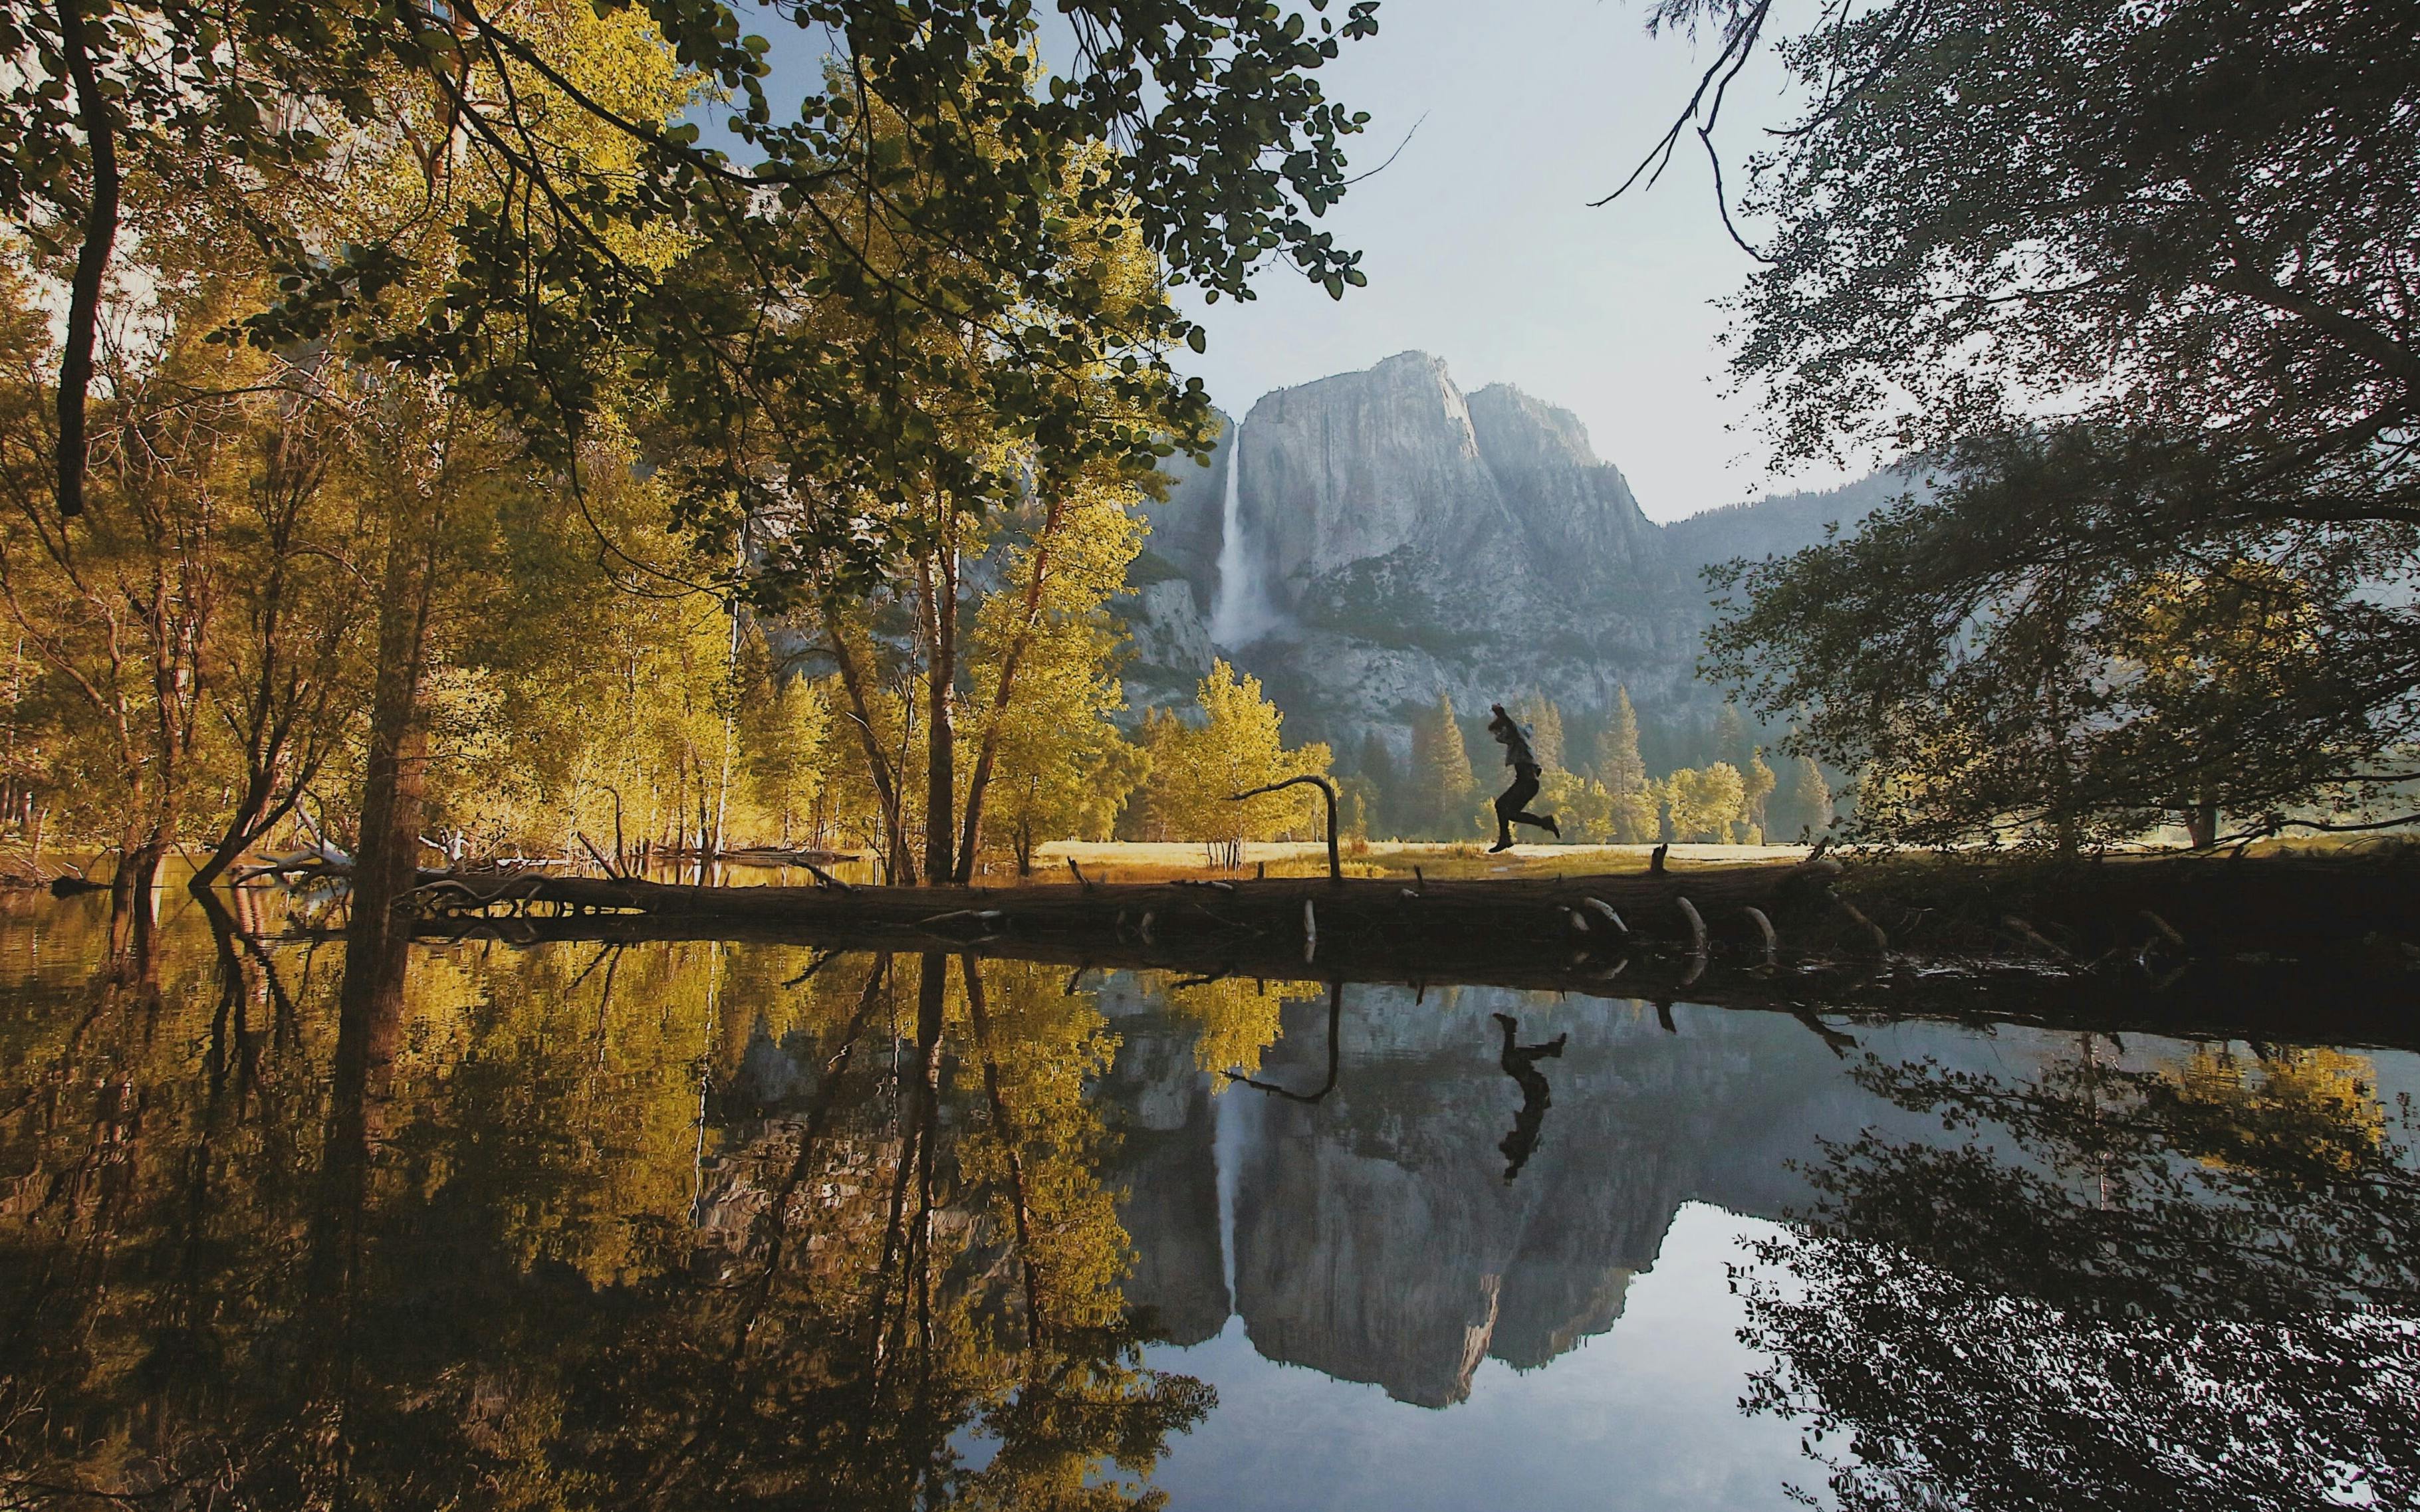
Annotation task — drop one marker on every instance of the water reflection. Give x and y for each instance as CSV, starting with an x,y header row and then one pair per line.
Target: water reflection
x,y
696,1223
2178,1286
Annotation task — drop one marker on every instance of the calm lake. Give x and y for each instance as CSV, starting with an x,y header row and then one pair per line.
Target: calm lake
x,y
705,1225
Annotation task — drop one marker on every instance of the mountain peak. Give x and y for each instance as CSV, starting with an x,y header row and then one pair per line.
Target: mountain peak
x,y
1518,430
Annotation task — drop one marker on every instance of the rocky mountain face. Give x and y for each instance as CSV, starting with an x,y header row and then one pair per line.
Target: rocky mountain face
x,y
1373,1235
1396,538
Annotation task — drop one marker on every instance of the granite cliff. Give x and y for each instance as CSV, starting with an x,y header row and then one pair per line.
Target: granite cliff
x,y
1367,540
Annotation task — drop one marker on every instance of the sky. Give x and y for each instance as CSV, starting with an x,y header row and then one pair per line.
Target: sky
x,y
1482,248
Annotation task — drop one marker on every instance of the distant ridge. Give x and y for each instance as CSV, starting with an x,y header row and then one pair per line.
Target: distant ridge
x,y
1415,540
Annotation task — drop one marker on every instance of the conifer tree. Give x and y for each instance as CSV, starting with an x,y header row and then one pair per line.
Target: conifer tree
x,y
1545,720
1617,763
1442,781
1756,781
1808,800
1730,736
1632,818
1377,767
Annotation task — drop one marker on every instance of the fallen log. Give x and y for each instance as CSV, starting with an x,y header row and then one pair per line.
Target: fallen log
x,y
1511,929
1509,914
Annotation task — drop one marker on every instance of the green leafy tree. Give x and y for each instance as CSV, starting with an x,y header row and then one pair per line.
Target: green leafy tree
x,y
2071,1305
2149,342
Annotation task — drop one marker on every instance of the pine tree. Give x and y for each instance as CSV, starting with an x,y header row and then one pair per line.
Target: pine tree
x,y
1442,783
1618,763
1545,724
1730,737
1809,801
1386,797
1757,780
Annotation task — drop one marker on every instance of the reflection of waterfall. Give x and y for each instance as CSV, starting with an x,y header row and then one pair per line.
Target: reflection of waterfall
x,y
1227,1147
1242,611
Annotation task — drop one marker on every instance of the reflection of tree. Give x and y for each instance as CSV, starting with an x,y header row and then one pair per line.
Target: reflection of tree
x,y
453,1259
2159,1290
1238,1017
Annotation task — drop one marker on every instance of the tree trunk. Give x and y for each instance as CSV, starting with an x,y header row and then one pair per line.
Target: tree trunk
x,y
900,866
979,784
938,580
92,257
2201,825
386,855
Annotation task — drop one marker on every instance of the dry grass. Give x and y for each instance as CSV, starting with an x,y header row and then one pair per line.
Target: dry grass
x,y
1131,861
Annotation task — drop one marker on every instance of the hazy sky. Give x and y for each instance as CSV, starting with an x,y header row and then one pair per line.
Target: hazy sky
x,y
1480,246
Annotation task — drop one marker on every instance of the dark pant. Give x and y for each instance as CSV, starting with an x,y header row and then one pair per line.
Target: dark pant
x,y
1511,808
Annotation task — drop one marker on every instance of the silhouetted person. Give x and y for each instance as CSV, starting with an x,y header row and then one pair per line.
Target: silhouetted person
x,y
1521,1063
1511,806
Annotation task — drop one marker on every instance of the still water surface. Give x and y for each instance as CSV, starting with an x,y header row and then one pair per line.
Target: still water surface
x,y
710,1224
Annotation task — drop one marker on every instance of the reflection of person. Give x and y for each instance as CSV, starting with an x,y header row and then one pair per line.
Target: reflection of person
x,y
1511,806
1520,1062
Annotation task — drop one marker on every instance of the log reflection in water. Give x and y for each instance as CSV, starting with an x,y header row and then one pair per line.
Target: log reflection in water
x,y
1335,1023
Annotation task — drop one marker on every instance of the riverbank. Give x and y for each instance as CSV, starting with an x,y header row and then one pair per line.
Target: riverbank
x,y
2285,902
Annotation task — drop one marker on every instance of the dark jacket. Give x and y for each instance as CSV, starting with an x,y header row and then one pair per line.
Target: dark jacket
x,y
1515,741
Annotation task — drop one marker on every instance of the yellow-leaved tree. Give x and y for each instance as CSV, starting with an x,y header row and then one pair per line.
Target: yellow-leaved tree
x,y
1705,802
1059,768
1234,744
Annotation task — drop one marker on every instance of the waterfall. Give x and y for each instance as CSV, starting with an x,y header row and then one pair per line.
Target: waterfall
x,y
1242,611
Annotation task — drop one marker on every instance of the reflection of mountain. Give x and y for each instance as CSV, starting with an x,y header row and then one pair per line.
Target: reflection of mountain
x,y
1375,1236
1168,1176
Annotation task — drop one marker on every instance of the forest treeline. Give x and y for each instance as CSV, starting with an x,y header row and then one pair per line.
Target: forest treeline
x,y
416,440
414,430
1596,782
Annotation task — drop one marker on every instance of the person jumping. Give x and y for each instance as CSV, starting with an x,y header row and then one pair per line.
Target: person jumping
x,y
1511,805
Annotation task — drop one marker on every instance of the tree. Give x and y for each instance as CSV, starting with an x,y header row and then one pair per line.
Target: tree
x,y
1047,660
1730,736
2071,1304
1705,803
1545,724
1440,779
1580,805
786,727
1632,804
536,271
1194,101
2155,345
1237,743
1804,805
1386,795
1756,784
